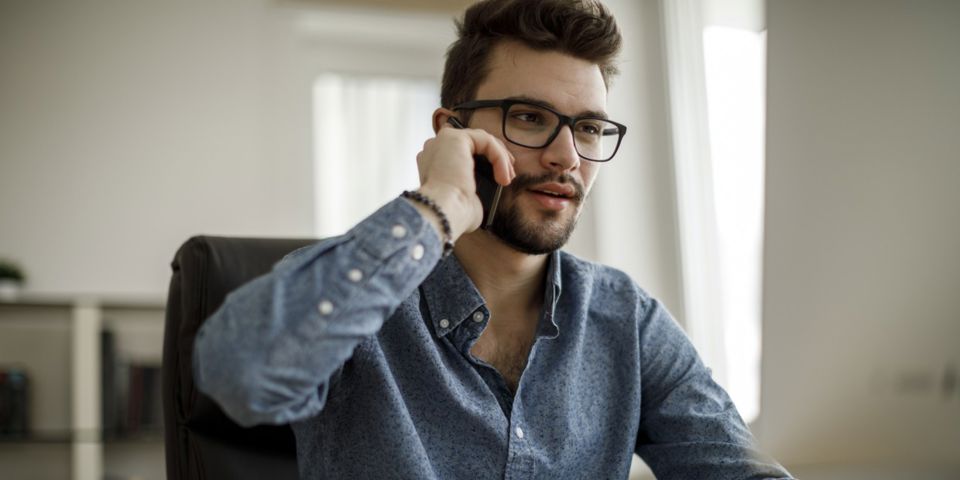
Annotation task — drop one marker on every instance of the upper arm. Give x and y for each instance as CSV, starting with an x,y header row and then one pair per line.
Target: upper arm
x,y
689,426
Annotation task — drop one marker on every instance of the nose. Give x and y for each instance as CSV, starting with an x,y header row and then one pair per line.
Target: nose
x,y
561,154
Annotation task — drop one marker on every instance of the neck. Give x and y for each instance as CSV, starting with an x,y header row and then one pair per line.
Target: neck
x,y
508,280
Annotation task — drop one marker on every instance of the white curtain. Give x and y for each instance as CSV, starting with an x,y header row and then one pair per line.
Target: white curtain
x,y
367,132
716,97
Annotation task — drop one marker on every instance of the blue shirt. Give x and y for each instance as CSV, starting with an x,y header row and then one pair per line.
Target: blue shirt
x,y
362,343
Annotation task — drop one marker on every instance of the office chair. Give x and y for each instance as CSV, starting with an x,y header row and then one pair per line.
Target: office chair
x,y
201,441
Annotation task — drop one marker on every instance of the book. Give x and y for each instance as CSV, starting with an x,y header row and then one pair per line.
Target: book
x,y
14,403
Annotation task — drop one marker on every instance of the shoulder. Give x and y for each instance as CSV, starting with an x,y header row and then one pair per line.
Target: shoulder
x,y
603,285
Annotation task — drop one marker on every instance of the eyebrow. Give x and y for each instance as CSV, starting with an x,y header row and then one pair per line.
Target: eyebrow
x,y
544,103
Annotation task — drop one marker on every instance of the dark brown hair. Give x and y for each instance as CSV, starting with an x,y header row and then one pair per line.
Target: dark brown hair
x,y
584,29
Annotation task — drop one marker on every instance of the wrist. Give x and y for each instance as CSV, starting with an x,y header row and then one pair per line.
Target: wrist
x,y
455,204
433,213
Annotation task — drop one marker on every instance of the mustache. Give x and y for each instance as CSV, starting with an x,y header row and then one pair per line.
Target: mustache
x,y
524,181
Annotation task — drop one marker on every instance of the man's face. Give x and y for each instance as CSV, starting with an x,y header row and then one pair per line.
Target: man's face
x,y
527,219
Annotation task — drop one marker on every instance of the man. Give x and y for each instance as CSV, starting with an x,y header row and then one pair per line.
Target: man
x,y
508,358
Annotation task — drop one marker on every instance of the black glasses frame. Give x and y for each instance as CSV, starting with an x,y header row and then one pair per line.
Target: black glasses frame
x,y
565,120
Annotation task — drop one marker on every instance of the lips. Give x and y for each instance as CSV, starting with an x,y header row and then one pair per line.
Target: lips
x,y
554,196
556,190
549,191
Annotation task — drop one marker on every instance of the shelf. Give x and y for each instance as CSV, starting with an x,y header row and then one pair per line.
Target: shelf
x,y
23,461
40,300
58,338
150,436
64,438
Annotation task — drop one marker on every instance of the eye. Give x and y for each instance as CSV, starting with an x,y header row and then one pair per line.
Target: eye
x,y
534,118
589,128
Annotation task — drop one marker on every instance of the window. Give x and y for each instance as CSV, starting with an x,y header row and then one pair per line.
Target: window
x,y
716,83
367,133
734,71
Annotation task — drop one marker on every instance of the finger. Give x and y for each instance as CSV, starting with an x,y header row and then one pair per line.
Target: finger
x,y
448,124
500,157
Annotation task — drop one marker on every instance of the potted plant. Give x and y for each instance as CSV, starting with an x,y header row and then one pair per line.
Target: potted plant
x,y
11,280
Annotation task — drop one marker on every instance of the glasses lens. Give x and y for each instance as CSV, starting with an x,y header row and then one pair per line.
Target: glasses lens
x,y
529,125
596,139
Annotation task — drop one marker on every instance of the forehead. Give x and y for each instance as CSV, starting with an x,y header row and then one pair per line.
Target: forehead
x,y
570,84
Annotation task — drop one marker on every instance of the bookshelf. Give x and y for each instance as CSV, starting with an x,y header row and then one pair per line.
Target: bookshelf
x,y
78,429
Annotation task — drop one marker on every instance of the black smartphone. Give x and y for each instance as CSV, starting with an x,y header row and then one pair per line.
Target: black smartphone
x,y
487,188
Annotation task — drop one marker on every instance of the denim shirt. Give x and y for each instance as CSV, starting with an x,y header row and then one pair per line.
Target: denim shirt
x,y
362,343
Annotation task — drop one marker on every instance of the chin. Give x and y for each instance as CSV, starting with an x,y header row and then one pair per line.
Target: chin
x,y
533,237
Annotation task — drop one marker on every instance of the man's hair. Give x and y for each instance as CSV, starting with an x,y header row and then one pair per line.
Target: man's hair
x,y
584,29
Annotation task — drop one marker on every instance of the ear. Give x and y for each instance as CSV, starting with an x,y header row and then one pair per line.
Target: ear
x,y
440,117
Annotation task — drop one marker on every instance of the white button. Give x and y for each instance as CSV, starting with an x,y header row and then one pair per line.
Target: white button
x,y
325,307
355,275
444,323
519,433
478,317
417,252
398,231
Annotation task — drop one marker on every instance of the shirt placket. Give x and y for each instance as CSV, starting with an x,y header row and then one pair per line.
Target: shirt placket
x,y
520,464
519,456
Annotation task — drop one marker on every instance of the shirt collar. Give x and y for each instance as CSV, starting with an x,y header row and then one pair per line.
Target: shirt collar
x,y
451,296
548,323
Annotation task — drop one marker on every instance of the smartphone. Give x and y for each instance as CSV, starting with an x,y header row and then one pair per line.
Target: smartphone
x,y
487,188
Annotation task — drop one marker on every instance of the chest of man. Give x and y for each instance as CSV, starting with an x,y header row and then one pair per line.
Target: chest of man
x,y
509,357
506,347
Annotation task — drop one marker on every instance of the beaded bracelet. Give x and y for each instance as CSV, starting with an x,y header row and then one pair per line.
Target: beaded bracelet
x,y
444,223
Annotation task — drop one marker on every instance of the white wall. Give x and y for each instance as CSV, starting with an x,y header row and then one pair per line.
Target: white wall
x,y
127,127
862,272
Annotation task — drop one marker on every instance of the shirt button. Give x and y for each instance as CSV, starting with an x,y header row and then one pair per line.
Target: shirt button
x,y
398,231
325,307
444,323
355,275
478,317
519,432
417,252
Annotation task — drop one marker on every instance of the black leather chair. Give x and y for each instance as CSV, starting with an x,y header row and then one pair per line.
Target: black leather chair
x,y
201,441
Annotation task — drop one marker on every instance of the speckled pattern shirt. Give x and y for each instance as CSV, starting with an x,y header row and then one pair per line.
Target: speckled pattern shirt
x,y
362,343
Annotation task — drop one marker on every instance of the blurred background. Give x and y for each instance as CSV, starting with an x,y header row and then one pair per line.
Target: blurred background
x,y
787,187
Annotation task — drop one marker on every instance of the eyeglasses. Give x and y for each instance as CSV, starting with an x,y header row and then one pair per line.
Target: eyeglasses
x,y
535,126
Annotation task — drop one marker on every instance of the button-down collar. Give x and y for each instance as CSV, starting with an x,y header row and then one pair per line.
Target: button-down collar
x,y
451,295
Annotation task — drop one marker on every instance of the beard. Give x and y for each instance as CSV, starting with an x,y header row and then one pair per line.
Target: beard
x,y
535,236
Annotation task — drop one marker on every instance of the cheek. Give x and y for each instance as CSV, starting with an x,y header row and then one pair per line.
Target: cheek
x,y
589,171
527,159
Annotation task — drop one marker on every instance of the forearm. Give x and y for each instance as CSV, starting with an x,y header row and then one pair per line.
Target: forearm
x,y
268,354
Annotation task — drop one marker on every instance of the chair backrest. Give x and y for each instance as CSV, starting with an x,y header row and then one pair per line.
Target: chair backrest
x,y
201,441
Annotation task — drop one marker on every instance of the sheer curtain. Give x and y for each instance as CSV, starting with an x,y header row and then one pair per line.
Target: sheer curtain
x,y
367,133
735,92
716,90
